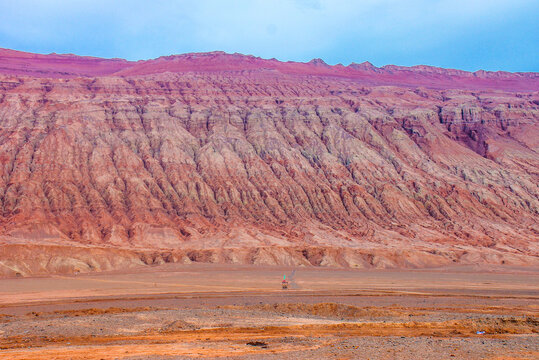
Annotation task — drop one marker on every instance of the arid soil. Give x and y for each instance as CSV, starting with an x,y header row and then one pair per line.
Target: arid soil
x,y
231,159
212,311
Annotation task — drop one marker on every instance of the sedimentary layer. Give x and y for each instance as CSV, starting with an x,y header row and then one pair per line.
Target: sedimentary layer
x,y
239,163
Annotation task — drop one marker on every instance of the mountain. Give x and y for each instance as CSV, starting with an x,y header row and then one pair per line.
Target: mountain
x,y
215,157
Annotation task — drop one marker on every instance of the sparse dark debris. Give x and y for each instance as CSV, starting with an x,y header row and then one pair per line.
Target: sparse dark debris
x,y
260,344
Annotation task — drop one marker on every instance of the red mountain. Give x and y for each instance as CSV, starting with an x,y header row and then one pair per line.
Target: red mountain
x,y
235,159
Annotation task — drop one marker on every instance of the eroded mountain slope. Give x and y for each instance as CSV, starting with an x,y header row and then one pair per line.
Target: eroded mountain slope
x,y
264,167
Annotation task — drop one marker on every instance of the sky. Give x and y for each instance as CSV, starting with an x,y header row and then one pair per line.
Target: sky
x,y
462,34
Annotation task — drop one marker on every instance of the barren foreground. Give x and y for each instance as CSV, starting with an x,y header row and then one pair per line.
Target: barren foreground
x,y
208,311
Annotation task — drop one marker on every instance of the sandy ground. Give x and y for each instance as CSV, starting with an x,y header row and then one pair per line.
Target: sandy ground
x,y
211,311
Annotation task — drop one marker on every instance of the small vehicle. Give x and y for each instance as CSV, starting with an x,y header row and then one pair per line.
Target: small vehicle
x,y
284,283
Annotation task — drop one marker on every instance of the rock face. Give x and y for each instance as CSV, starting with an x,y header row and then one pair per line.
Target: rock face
x,y
235,159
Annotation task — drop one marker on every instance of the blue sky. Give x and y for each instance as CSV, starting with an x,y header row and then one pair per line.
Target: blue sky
x,y
463,34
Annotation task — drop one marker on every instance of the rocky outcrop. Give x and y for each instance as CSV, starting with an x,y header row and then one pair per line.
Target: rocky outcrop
x,y
263,166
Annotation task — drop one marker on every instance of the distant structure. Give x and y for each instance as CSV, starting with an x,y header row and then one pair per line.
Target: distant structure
x,y
284,284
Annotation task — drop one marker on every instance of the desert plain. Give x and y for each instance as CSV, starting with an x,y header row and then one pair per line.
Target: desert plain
x,y
207,311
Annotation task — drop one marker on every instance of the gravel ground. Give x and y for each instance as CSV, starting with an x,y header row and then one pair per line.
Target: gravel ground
x,y
122,328
397,317
400,348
